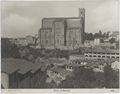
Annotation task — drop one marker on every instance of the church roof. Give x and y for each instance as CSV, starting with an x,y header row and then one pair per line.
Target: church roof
x,y
61,18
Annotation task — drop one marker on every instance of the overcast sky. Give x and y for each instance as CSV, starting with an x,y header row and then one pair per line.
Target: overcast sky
x,y
24,18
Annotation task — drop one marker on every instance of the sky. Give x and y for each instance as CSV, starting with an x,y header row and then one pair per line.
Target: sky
x,y
22,18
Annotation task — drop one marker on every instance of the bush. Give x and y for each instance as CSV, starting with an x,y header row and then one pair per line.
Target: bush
x,y
111,77
8,49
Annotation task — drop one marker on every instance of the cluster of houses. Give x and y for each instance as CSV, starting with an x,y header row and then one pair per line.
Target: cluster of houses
x,y
59,73
28,40
19,73
33,41
104,42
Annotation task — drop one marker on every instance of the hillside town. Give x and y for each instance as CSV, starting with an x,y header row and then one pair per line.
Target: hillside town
x,y
61,55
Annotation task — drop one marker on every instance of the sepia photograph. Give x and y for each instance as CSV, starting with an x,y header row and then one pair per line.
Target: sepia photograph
x,y
60,44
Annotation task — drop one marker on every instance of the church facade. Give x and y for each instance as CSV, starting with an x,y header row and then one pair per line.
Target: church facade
x,y
62,33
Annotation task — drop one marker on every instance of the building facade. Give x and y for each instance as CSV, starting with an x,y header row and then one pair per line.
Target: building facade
x,y
61,33
89,43
102,54
115,35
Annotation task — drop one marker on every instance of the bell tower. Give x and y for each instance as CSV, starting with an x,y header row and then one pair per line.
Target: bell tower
x,y
82,17
82,12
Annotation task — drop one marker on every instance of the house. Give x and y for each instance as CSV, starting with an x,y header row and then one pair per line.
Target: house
x,y
58,74
75,56
99,68
82,61
77,63
97,41
36,74
115,35
72,66
89,43
115,65
15,72
107,45
19,73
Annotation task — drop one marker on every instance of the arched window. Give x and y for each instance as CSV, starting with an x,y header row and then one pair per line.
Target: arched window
x,y
103,56
117,56
108,56
113,57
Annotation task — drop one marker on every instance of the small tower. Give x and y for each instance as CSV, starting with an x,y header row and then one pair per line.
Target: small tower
x,y
82,17
82,12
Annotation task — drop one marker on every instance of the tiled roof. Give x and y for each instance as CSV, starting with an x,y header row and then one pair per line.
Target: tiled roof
x,y
36,67
61,71
26,68
10,65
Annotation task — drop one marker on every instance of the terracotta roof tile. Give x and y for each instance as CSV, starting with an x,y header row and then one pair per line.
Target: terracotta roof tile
x,y
10,65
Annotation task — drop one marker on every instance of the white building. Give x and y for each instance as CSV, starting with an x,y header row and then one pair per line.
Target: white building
x,y
99,68
114,35
89,43
97,41
115,65
57,74
75,56
101,54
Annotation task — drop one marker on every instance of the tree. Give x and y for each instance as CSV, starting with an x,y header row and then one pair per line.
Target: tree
x,y
107,35
14,51
5,47
89,36
112,40
68,83
8,49
84,74
100,33
101,41
83,78
111,77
